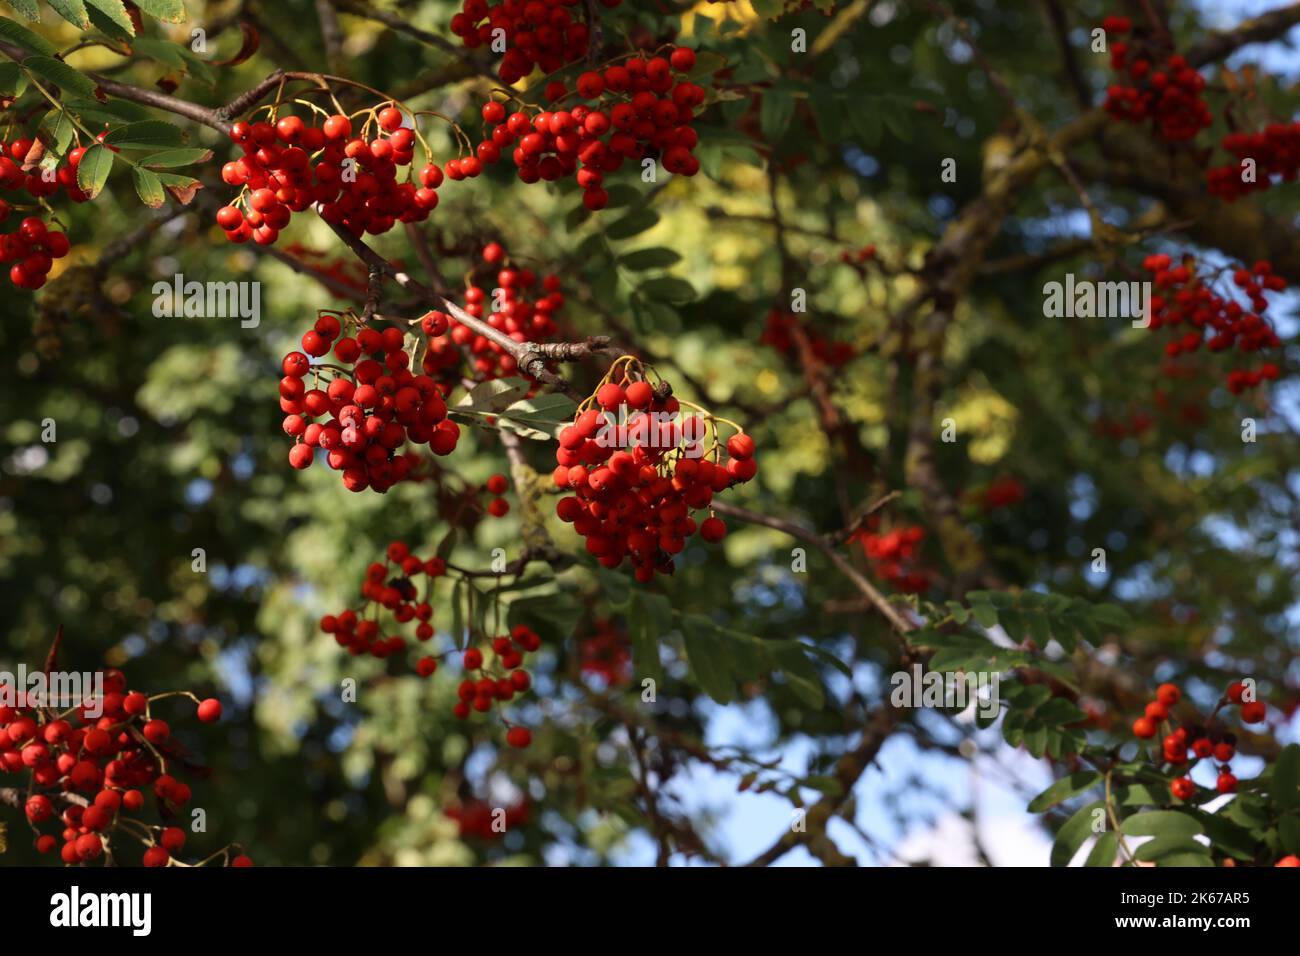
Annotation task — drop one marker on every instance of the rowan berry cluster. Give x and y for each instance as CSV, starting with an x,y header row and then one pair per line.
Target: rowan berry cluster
x,y
1184,297
784,329
370,408
639,111
606,653
1189,742
506,297
478,819
290,165
1167,95
635,478
893,554
1002,493
32,247
536,33
1275,151
864,254
390,586
100,762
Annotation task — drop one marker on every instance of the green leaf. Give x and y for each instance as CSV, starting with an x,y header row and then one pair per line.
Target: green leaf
x,y
59,130
898,119
12,80
93,170
27,8
828,111
148,187
171,158
821,654
1111,616
775,113
171,11
1226,835
19,35
827,785
668,289
1201,859
865,123
1166,846
1073,834
60,74
1288,831
1059,711
115,12
632,224
707,63
145,134
547,414
1286,778
622,194
494,396
657,257
74,11
1162,823
985,615
1063,789
649,619
617,587
791,658
1035,738
1104,851
1013,622
168,54
707,656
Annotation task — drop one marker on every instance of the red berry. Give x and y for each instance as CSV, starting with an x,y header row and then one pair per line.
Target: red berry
x,y
1144,727
210,710
519,737
1183,788
1168,694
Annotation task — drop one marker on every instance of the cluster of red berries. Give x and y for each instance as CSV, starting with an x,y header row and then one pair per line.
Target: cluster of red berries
x,y
389,586
635,482
1275,150
478,819
865,254
606,653
1191,742
781,334
1170,97
642,112
372,406
1002,493
33,246
1134,424
289,166
1184,298
537,33
98,761
893,554
500,677
513,306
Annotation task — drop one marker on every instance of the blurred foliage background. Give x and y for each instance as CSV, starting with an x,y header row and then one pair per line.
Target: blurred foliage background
x,y
168,434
